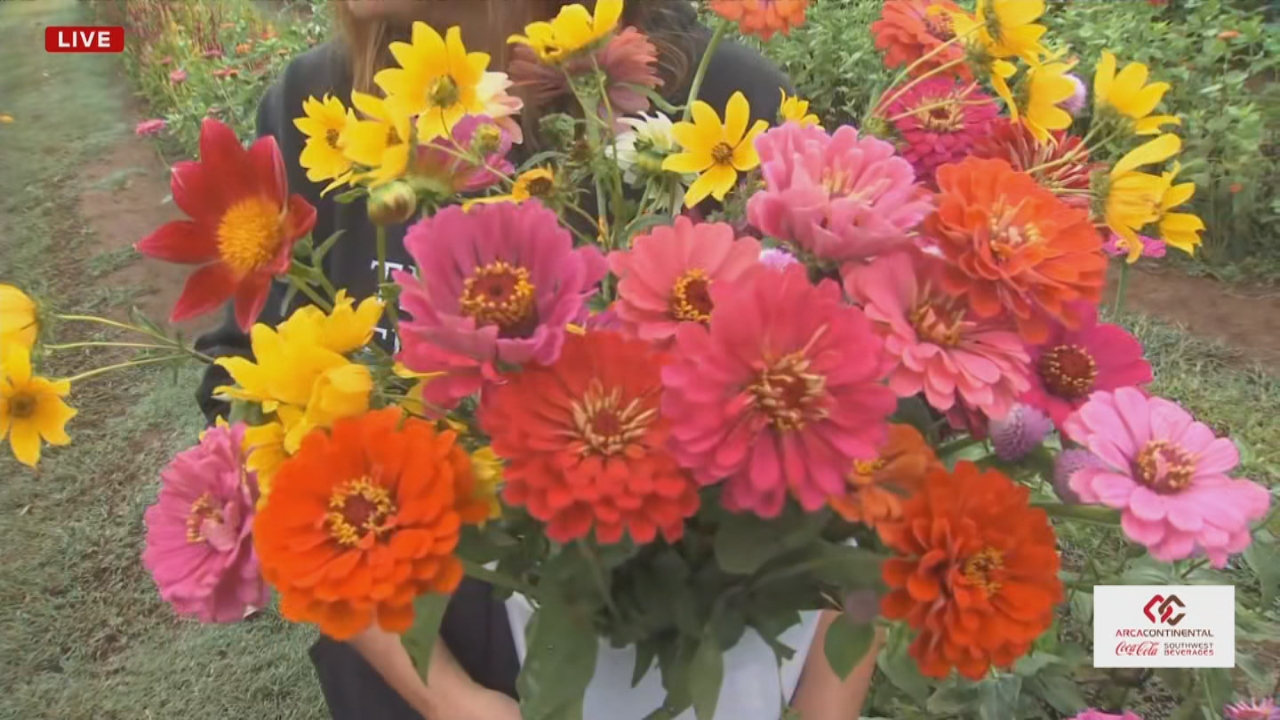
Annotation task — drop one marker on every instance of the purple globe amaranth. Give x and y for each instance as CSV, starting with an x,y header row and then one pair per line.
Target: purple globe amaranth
x,y
1019,432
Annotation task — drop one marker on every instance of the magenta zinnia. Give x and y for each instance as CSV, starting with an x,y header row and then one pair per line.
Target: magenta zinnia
x,y
940,119
1265,709
779,393
841,197
440,159
199,532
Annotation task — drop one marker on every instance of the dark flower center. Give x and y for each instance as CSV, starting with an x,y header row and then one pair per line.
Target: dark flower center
x,y
722,153
789,395
938,325
22,406
604,425
443,93
1164,467
331,137
690,297
357,509
540,186
1068,371
980,570
501,294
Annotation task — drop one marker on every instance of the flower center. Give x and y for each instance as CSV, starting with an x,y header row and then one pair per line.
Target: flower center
x,y
501,294
540,186
359,510
939,24
722,153
690,299
604,425
487,139
442,93
940,326
1008,236
393,137
1164,467
22,406
980,570
1068,371
249,235
205,508
788,395
941,115
331,137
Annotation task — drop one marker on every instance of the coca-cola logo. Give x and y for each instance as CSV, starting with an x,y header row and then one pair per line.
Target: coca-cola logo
x,y
1145,648
1163,607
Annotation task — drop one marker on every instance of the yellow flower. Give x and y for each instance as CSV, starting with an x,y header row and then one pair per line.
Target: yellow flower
x,y
536,183
486,467
6,118
1042,89
437,80
345,330
382,142
31,407
1181,230
413,402
18,323
570,31
1133,199
264,449
322,157
796,110
1009,28
717,151
1128,94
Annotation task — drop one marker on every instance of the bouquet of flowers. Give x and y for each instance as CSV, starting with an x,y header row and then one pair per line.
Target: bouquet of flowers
x,y
876,372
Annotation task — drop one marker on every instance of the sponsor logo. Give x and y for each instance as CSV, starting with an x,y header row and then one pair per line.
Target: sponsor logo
x,y
1147,626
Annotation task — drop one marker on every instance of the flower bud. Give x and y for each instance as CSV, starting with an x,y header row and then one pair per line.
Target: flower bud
x,y
1018,433
392,204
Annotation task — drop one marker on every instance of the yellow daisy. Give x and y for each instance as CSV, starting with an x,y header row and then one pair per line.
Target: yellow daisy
x,y
1042,89
1010,28
536,183
31,407
1181,230
1133,199
322,156
18,323
381,143
264,450
1127,94
717,151
572,30
437,80
346,329
486,468
794,109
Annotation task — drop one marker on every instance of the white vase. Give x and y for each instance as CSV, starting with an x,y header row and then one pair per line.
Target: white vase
x,y
753,688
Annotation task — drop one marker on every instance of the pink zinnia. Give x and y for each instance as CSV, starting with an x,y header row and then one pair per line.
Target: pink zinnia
x,y
940,120
199,545
498,284
841,197
666,276
629,62
781,392
150,127
439,159
1167,474
177,76
1151,247
1073,364
1099,715
1253,710
935,343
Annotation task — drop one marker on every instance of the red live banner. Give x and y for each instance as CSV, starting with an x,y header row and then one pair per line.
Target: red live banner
x,y
86,39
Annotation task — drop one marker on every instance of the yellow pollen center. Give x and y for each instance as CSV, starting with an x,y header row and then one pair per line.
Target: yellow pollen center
x,y
331,137
981,570
360,512
443,93
941,115
722,154
1068,371
249,235
1008,237
1164,467
501,294
788,395
690,299
940,326
604,425
867,468
204,508
22,406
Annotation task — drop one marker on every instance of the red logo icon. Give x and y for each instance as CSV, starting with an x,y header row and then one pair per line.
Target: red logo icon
x,y
1164,607
83,39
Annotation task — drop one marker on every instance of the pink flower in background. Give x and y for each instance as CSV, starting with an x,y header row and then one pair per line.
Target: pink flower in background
x,y
629,62
934,343
1073,364
199,545
1099,715
777,258
1066,465
165,61
1080,99
1253,710
841,197
1167,474
666,277
439,159
177,77
225,72
212,54
781,392
147,128
940,120
1151,247
1019,432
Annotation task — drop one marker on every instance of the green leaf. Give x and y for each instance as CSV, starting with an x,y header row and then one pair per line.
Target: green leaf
x,y
846,643
1060,691
953,699
560,663
745,542
901,668
646,653
349,196
1185,711
771,626
1253,669
1264,558
1216,686
420,641
327,245
848,568
998,697
706,674
1032,664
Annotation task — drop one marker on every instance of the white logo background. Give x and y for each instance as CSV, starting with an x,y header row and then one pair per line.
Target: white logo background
x,y
1124,637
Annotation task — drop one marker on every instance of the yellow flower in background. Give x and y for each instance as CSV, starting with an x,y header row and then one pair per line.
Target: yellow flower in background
x,y
795,110
1128,94
382,142
1042,90
572,30
346,329
437,80
1009,28
264,450
31,407
537,183
322,156
1133,199
717,151
1181,230
19,325
486,468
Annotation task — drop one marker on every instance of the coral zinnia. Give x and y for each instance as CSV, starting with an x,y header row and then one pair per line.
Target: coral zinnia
x,y
940,120
1013,247
1072,364
242,229
878,488
716,151
200,531
1167,474
19,325
779,393
586,446
1060,165
976,572
841,197
364,519
762,18
628,61
936,344
664,279
31,407
908,30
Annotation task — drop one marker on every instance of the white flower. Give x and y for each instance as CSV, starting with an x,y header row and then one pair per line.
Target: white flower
x,y
641,150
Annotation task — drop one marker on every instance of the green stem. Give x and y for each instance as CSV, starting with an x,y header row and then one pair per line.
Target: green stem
x,y
392,311
165,342
1194,566
1118,303
1093,514
696,86
497,579
120,366
597,574
72,346
305,288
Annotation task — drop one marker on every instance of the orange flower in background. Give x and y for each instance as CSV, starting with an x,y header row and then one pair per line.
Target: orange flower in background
x,y
1014,247
976,573
762,18
908,30
363,520
878,488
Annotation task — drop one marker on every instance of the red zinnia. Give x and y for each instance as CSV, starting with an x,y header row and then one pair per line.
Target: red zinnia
x,y
242,229
586,446
976,572
910,29
1013,247
1061,166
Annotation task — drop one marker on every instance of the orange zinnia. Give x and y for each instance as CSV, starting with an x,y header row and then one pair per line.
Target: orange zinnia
x,y
762,18
364,519
976,572
1014,247
878,488
908,30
